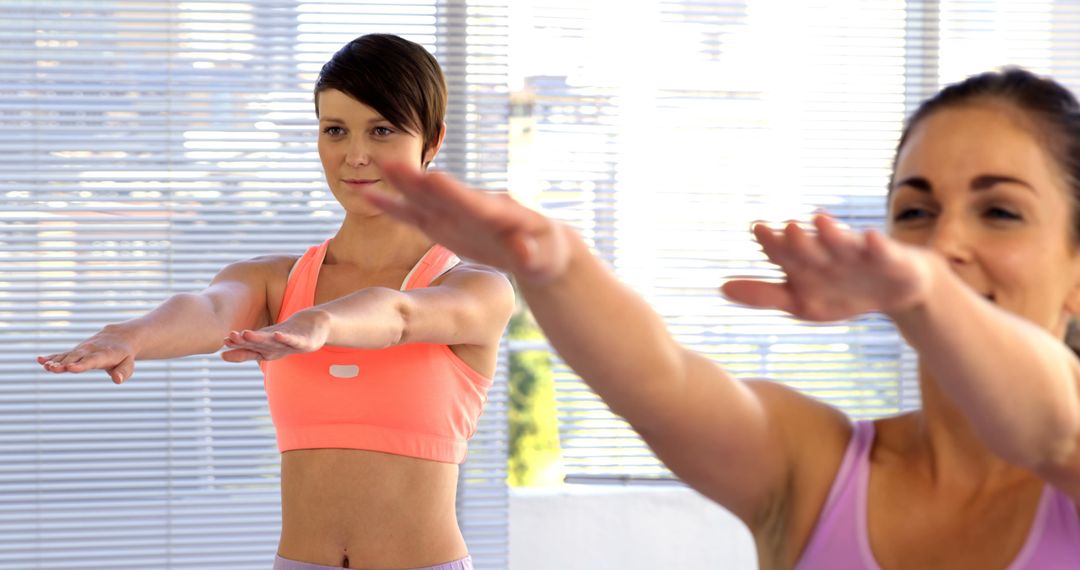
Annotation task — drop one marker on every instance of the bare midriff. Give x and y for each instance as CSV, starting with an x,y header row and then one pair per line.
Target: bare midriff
x,y
364,509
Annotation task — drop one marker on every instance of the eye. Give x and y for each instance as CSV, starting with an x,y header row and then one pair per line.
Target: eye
x,y
999,213
382,131
333,131
910,214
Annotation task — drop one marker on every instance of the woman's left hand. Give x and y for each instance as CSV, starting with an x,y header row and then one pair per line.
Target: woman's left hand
x,y
835,274
305,331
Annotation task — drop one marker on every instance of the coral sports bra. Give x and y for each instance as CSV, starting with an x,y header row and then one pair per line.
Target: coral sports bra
x,y
418,400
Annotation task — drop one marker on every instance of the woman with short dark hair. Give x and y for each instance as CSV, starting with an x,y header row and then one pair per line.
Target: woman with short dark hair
x,y
378,347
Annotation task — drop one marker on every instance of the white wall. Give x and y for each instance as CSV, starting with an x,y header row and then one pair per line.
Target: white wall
x,y
641,527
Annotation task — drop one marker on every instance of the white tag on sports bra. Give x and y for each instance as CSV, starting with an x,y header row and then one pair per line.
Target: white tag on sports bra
x,y
344,370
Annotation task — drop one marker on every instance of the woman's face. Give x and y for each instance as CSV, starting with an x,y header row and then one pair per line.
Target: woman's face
x,y
353,138
974,184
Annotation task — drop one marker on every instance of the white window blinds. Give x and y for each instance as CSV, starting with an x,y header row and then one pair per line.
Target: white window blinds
x,y
663,133
146,144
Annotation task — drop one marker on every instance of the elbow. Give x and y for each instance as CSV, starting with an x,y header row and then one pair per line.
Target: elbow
x,y
1061,444
211,312
1055,444
1065,430
401,317
1062,453
1053,424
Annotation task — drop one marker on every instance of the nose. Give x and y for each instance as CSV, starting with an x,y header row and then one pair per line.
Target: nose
x,y
357,154
951,239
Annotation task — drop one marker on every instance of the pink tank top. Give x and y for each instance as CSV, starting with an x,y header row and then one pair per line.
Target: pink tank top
x,y
419,400
840,540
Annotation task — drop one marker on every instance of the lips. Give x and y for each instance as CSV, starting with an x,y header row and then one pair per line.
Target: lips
x,y
360,182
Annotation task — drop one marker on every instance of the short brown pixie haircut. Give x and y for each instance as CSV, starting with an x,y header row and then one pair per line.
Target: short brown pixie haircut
x,y
396,77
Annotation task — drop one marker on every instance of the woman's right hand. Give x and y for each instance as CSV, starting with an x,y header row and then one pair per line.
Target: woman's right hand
x,y
109,350
492,229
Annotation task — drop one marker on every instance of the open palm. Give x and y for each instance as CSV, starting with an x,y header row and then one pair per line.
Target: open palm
x,y
835,274
302,332
106,350
492,229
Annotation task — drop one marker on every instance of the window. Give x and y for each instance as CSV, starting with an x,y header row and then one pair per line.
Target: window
x,y
663,133
146,145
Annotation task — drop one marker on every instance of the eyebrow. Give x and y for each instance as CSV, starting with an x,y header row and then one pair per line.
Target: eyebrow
x,y
981,182
375,119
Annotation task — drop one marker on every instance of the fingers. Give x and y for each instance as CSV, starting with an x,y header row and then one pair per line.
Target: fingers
x,y
402,176
427,192
122,371
434,195
878,248
794,247
54,366
844,245
881,252
116,364
258,337
395,207
288,340
237,341
529,261
773,244
423,187
804,249
249,338
70,358
260,345
765,236
523,250
240,355
240,349
104,360
79,360
759,294
51,362
267,341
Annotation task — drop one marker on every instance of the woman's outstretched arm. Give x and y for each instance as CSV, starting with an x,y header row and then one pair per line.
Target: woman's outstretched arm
x,y
1018,384
736,442
185,324
471,305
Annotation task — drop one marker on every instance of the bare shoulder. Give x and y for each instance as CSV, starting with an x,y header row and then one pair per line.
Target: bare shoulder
x,y
275,263
815,436
268,269
263,278
479,299
475,269
799,414
484,280
815,433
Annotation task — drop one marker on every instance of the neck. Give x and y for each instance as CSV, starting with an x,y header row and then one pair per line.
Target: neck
x,y
950,449
377,242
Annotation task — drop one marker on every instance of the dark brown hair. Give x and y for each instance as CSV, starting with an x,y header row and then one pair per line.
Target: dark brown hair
x,y
396,77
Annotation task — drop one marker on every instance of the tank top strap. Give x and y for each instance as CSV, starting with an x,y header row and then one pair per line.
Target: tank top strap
x,y
854,461
839,536
1054,538
435,263
1067,512
300,287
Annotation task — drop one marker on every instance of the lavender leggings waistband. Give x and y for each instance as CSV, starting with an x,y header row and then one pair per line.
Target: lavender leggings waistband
x,y
286,564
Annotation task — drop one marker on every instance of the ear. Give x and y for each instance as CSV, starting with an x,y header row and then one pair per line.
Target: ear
x,y
433,150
